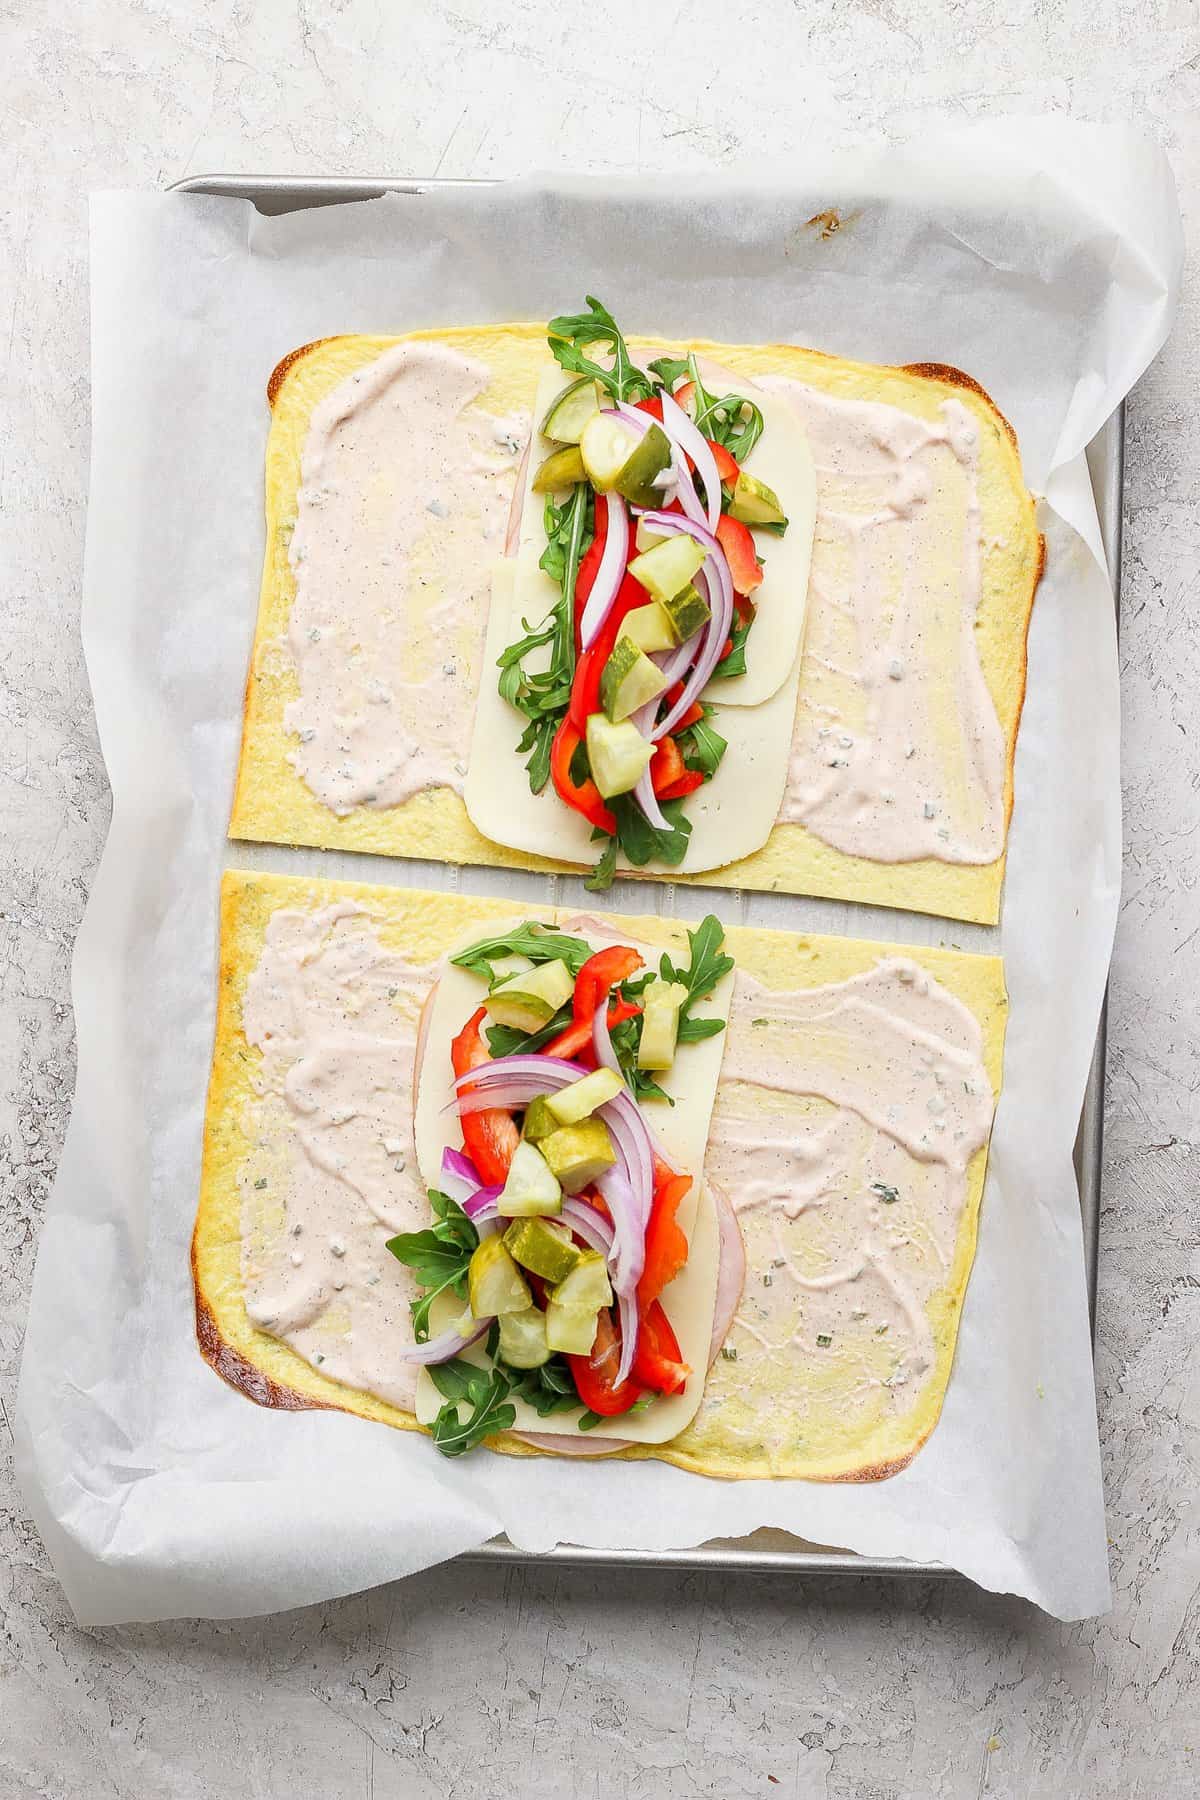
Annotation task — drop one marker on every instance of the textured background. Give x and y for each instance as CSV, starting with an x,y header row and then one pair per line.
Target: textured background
x,y
476,1684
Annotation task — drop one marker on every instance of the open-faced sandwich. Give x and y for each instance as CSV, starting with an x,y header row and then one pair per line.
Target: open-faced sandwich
x,y
592,1184
542,596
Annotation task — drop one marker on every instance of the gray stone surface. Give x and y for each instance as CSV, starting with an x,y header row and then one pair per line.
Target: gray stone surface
x,y
478,1684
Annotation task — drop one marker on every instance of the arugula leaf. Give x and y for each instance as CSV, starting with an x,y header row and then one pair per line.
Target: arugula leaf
x,y
705,968
549,1389
571,331
454,1436
439,1257
640,840
588,1421
735,662
543,696
507,1040
459,1380
701,746
540,943
669,369
730,420
601,877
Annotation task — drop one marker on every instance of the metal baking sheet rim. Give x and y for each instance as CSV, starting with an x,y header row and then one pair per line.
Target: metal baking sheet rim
x,y
767,1551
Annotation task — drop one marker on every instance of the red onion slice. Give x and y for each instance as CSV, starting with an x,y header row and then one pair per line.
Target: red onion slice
x,y
586,1222
682,431
441,1349
611,572
628,1313
602,1041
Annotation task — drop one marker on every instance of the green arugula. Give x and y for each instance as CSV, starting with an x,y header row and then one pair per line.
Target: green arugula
x,y
705,968
485,1391
544,695
601,877
508,1040
571,331
735,662
728,419
439,1257
540,943
701,746
641,841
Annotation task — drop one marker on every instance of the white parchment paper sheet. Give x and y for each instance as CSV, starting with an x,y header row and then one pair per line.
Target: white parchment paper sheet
x,y
1040,257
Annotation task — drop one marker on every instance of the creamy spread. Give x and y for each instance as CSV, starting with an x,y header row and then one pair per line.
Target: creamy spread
x,y
844,1124
332,1173
405,489
898,752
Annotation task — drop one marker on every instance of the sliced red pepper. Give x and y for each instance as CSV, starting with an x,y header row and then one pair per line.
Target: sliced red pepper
x,y
727,468
735,540
594,1375
604,970
586,577
666,1245
683,395
577,1038
490,1136
658,1361
694,713
583,797
666,765
653,406
688,782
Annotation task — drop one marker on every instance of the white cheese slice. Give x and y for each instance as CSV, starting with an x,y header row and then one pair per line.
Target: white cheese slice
x,y
732,815
688,1303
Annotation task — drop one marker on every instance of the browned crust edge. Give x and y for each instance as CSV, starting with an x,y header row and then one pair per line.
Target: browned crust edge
x,y
284,367
237,1370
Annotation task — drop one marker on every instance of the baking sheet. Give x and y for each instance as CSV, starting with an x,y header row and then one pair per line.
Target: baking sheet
x,y
1041,257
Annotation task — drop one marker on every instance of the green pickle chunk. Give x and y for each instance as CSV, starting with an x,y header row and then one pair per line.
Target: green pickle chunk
x,y
542,1247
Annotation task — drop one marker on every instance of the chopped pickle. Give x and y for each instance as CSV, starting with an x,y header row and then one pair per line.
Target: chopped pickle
x,y
582,1097
495,1283
523,1339
754,503
646,536
648,628
667,568
587,1287
569,1330
618,755
660,1024
579,1153
618,461
539,1121
628,680
530,998
531,1186
542,1247
561,469
685,613
570,411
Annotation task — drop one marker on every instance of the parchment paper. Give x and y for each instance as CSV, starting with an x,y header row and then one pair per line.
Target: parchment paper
x,y
1041,258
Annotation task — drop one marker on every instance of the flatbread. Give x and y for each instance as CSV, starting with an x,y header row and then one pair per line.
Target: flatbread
x,y
273,804
722,1440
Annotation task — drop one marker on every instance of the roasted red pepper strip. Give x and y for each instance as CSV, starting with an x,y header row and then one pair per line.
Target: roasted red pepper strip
x,y
735,540
653,406
604,970
594,1374
727,468
658,1361
666,765
577,1038
694,713
584,797
666,1245
490,1136
688,782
